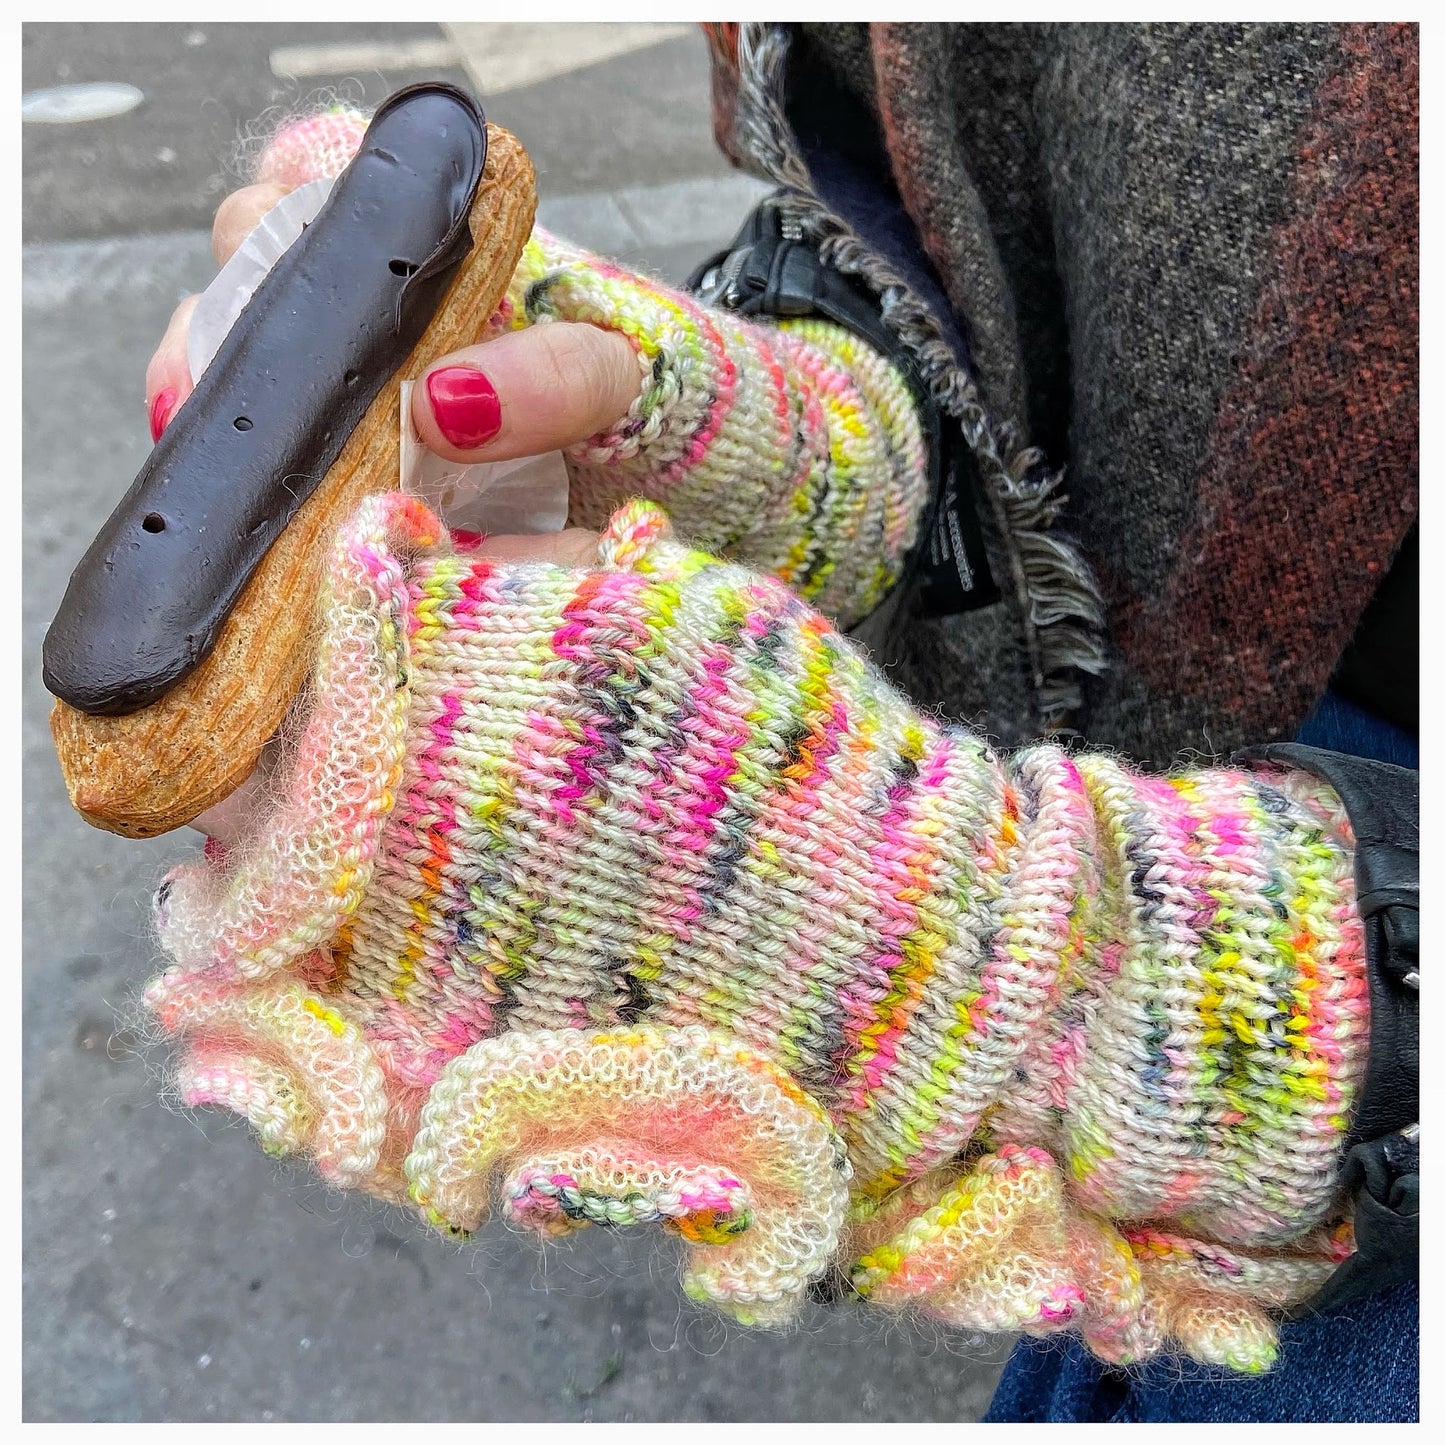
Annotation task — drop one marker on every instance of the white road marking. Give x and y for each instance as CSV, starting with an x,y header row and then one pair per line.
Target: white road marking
x,y
67,104
701,213
506,55
297,62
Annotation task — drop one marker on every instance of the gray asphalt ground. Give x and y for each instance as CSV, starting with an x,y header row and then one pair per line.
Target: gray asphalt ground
x,y
171,1271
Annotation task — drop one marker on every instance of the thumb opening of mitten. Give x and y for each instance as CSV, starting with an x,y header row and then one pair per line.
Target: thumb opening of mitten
x,y
797,448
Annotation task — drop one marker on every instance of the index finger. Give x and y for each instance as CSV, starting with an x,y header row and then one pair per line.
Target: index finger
x,y
168,373
239,214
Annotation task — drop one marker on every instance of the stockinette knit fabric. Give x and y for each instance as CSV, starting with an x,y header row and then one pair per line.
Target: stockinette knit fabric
x,y
636,894
795,447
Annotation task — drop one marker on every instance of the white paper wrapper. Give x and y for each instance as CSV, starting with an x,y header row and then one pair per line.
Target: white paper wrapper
x,y
225,298
527,495
522,496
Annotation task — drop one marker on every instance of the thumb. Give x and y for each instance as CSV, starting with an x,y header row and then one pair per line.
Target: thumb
x,y
541,389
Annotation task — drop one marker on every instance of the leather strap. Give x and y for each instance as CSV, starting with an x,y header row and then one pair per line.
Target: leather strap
x,y
1382,1160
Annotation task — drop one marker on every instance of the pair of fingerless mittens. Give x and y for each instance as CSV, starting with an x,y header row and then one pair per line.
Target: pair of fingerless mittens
x,y
636,894
793,447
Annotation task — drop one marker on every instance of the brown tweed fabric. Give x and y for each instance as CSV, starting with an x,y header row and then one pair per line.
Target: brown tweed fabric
x,y
1314,443
1185,261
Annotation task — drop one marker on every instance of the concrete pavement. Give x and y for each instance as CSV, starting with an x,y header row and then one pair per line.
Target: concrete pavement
x,y
171,1271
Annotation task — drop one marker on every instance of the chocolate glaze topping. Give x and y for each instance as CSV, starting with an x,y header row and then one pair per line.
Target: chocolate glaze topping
x,y
338,313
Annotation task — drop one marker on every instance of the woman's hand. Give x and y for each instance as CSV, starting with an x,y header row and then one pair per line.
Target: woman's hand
x,y
537,390
796,447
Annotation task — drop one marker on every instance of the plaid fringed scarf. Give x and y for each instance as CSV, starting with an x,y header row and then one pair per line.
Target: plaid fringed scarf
x,y
1182,266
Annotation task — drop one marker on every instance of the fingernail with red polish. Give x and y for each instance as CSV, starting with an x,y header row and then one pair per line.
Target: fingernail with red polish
x,y
465,405
161,409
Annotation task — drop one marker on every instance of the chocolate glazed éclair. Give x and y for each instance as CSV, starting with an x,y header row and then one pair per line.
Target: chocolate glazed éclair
x,y
189,625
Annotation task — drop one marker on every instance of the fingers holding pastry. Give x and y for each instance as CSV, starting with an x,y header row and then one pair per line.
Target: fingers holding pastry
x,y
168,373
538,390
239,214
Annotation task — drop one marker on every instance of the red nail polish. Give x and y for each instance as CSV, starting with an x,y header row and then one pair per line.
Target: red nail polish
x,y
161,409
465,405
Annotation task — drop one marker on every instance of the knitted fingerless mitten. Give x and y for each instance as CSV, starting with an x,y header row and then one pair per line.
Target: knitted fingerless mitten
x,y
638,894
795,448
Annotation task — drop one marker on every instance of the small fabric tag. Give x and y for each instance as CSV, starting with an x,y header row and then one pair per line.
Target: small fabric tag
x,y
953,572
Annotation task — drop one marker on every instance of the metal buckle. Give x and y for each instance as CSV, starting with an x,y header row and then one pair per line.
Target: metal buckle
x,y
716,288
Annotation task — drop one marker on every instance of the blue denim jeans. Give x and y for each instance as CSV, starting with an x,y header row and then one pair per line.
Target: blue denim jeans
x,y
1359,1363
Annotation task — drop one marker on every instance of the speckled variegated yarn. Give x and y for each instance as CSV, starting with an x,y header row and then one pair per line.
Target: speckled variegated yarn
x,y
634,894
795,448
312,147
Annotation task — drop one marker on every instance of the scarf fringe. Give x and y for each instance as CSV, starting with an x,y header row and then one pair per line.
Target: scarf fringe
x,y
1057,593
